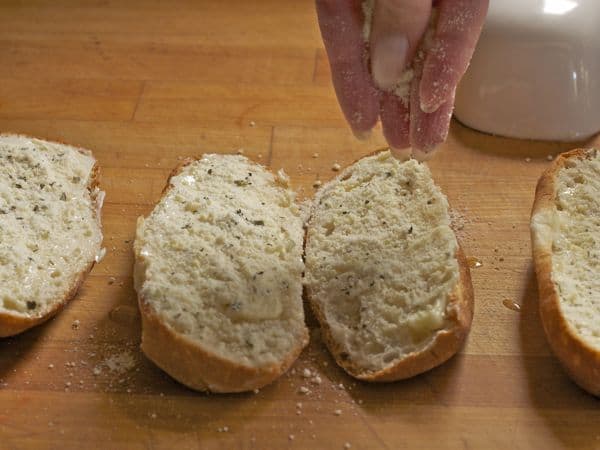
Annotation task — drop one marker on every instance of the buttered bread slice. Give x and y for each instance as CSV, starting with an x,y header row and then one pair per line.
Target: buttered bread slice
x,y
50,232
385,274
565,231
218,272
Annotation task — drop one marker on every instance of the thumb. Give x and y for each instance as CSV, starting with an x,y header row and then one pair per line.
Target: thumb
x,y
396,31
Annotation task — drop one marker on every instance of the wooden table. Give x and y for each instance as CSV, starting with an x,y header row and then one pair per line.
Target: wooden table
x,y
144,83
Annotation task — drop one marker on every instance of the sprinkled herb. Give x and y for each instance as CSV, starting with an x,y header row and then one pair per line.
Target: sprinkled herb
x,y
186,226
36,208
31,305
18,186
388,174
63,197
42,185
367,202
209,171
258,222
410,230
76,180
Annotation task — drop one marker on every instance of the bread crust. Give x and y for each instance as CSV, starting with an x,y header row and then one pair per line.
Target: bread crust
x,y
12,324
189,362
444,345
580,360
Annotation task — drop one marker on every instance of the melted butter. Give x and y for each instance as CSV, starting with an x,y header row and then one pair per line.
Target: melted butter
x,y
511,304
474,262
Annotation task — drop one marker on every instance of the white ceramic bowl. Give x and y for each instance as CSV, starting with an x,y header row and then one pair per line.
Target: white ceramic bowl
x,y
536,71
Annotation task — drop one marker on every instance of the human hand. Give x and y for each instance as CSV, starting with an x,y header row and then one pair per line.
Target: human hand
x,y
368,74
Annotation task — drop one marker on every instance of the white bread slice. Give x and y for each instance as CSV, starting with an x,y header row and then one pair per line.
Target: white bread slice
x,y
218,272
50,232
385,274
565,233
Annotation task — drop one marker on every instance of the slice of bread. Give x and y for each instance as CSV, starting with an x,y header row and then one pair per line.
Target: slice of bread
x,y
385,274
218,272
50,232
565,233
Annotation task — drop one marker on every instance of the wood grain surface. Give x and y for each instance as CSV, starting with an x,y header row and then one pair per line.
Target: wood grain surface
x,y
145,83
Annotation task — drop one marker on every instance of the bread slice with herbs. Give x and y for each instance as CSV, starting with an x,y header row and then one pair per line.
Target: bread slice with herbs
x,y
385,274
218,272
565,233
50,231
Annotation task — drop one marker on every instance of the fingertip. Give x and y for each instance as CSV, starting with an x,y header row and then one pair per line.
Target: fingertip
x,y
402,154
424,154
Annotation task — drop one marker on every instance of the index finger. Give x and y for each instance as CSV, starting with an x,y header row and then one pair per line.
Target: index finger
x,y
458,29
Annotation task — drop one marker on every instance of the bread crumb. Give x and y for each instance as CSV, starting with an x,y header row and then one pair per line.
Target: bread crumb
x,y
347,445
252,123
306,373
100,255
240,151
527,159
111,280
336,167
153,415
291,437
50,366
75,324
256,391
317,183
315,155
316,380
337,412
549,157
304,390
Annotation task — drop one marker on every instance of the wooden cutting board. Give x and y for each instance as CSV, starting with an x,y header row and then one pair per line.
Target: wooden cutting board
x,y
145,83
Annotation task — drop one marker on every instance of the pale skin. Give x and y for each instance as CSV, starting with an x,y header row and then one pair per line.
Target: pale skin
x,y
366,73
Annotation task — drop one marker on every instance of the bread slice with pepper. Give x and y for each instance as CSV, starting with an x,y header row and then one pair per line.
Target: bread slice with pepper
x,y
218,272
565,233
50,231
385,274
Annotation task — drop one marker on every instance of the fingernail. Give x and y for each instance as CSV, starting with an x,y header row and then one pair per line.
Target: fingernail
x,y
401,154
423,155
388,58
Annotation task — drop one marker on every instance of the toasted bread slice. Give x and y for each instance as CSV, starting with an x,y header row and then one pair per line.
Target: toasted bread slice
x,y
218,271
565,233
385,274
50,231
